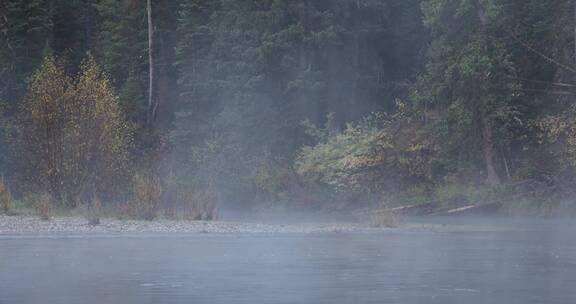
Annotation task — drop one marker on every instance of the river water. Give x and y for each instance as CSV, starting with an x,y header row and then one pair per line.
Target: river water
x,y
454,261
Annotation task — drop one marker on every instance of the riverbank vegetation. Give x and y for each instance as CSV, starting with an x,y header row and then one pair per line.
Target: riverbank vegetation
x,y
172,108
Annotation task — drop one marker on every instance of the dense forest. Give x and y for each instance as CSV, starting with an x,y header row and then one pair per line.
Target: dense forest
x,y
187,106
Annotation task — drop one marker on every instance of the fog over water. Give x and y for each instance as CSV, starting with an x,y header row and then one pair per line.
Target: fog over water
x,y
482,261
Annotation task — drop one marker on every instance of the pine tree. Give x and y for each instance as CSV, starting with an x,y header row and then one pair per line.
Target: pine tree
x,y
468,80
121,44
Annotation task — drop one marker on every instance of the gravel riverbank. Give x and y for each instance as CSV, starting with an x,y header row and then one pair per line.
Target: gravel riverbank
x,y
27,225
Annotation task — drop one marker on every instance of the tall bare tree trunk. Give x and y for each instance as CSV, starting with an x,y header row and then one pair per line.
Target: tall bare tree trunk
x,y
88,24
152,104
492,178
488,147
3,15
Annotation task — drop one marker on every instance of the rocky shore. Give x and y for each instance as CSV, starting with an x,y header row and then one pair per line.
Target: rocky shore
x,y
31,225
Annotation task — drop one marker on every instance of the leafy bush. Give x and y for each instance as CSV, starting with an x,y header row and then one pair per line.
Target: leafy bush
x,y
146,197
384,219
93,211
199,205
381,153
43,205
187,200
560,131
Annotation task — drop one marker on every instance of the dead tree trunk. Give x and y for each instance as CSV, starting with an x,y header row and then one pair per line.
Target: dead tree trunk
x,y
484,119
492,178
152,102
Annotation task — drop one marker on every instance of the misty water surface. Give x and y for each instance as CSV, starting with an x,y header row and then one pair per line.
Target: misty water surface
x,y
504,262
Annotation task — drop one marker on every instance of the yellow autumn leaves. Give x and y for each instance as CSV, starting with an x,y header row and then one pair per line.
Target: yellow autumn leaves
x,y
74,139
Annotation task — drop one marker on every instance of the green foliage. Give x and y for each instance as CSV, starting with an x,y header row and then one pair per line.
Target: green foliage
x,y
559,131
123,47
381,153
412,195
455,194
467,89
23,31
252,71
486,83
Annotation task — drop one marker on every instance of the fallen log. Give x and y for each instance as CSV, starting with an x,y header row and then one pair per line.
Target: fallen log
x,y
478,209
411,210
431,209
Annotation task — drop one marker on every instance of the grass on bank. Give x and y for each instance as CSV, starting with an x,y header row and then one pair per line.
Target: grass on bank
x,y
517,199
150,202
147,205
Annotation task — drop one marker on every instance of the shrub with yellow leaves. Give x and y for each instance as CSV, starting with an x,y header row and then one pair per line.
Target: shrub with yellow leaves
x,y
146,196
559,131
74,140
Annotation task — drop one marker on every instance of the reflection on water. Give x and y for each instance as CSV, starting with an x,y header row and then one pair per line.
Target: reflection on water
x,y
520,262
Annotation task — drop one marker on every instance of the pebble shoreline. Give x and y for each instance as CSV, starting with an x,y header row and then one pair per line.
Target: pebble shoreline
x,y
28,224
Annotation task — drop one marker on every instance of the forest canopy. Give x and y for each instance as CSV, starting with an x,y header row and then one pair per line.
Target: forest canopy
x,y
179,106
